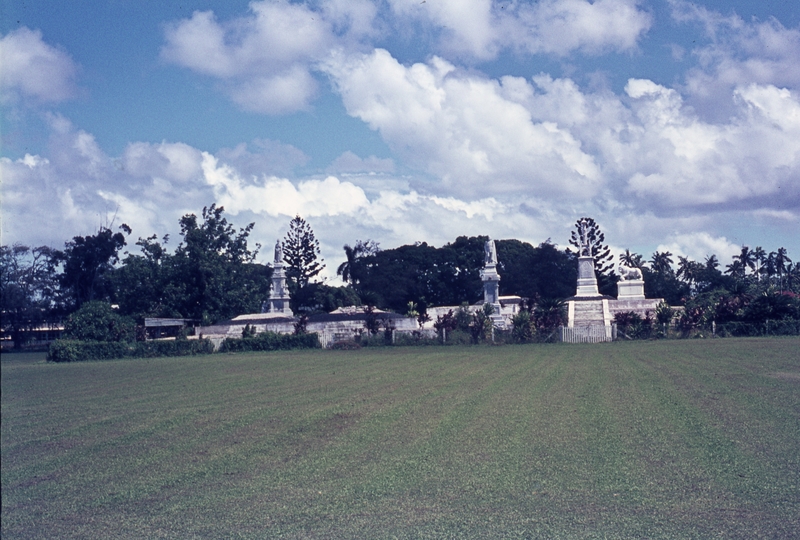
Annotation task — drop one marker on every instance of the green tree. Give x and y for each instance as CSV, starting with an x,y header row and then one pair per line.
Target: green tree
x,y
213,271
631,260
97,321
87,264
28,283
147,285
782,262
349,269
301,254
589,241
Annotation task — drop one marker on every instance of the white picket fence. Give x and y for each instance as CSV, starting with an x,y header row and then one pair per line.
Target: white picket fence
x,y
587,334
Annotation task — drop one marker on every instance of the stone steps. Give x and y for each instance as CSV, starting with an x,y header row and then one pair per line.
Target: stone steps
x,y
588,312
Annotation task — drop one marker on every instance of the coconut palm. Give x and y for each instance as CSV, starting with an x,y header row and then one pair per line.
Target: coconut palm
x,y
746,260
353,254
631,260
688,270
661,262
782,262
712,263
759,256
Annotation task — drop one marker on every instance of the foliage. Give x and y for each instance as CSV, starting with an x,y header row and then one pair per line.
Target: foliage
x,y
211,276
248,332
481,327
664,313
65,350
523,328
318,297
98,321
549,314
348,345
87,264
633,326
588,231
301,254
445,323
349,269
536,272
28,283
214,269
270,341
373,320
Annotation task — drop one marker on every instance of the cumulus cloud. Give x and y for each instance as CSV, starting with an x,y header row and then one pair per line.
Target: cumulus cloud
x,y
461,128
264,60
697,246
34,70
738,53
482,28
689,162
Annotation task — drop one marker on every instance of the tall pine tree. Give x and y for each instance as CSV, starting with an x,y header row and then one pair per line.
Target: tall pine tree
x,y
301,254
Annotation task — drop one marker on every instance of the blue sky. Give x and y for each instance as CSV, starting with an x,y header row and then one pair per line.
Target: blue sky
x,y
675,125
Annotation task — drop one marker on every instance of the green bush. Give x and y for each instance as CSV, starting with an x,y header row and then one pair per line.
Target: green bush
x,y
270,341
97,321
65,350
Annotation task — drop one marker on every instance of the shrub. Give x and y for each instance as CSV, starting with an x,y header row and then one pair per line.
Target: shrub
x,y
97,321
522,331
270,341
65,350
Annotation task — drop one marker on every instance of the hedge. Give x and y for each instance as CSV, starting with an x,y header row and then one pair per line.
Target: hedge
x,y
270,341
64,350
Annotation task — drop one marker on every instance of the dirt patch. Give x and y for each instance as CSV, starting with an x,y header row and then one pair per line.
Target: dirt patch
x,y
786,375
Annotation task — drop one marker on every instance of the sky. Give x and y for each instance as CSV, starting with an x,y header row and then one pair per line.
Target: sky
x,y
675,125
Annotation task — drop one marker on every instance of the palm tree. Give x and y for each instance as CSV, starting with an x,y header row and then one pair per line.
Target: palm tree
x,y
759,256
712,263
746,260
735,268
688,270
353,254
662,262
631,260
782,262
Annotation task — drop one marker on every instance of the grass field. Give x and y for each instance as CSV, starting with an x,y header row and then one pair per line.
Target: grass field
x,y
669,439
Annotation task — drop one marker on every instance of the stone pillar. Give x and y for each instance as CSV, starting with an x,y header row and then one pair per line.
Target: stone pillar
x,y
587,280
490,277
279,295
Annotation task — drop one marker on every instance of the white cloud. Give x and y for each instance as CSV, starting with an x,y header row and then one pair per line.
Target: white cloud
x,y
738,53
697,246
264,59
462,128
562,26
684,161
175,161
33,69
482,28
279,196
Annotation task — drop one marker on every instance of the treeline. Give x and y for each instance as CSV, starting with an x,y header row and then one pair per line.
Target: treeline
x,y
212,275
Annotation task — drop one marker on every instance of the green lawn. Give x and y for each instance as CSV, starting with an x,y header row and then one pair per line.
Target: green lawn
x,y
668,439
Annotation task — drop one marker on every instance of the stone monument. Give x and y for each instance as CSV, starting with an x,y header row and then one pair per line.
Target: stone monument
x,y
491,283
490,277
589,315
631,284
279,295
